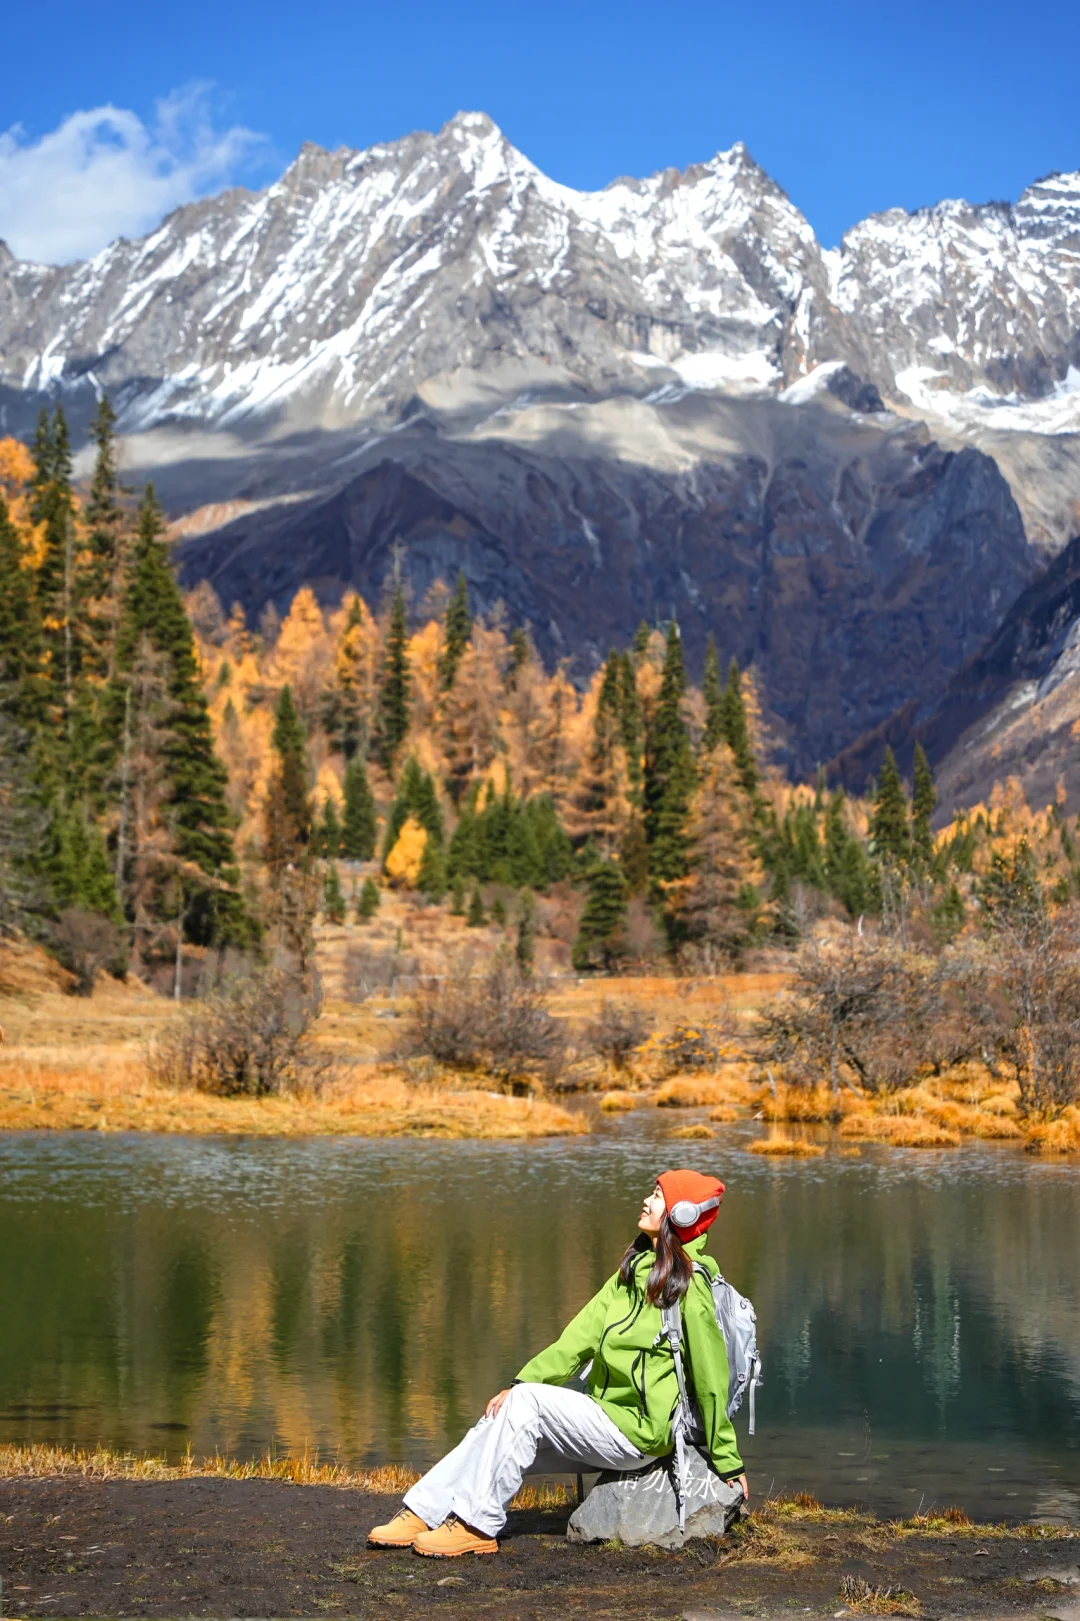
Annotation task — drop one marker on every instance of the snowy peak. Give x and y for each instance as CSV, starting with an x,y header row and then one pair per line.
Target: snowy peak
x,y
360,277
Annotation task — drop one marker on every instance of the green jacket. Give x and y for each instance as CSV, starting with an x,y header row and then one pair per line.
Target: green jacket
x,y
633,1370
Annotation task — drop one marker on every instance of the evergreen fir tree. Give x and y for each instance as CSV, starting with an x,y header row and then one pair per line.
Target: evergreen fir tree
x,y
923,805
712,692
53,506
396,685
498,912
457,628
22,682
631,726
358,832
889,823
596,945
431,879
457,897
476,917
640,645
77,863
669,770
520,652
369,900
333,896
525,943
198,813
104,520
330,832
289,786
736,732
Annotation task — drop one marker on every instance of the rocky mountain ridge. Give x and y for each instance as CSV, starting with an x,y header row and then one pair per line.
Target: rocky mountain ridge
x,y
663,397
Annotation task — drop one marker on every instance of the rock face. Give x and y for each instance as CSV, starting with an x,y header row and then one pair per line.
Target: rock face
x,y
1012,711
662,397
851,566
641,1508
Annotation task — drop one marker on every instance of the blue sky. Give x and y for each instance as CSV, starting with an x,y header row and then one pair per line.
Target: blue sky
x,y
851,107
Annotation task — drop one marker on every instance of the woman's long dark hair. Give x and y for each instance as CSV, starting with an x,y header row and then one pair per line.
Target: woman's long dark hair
x,y
672,1270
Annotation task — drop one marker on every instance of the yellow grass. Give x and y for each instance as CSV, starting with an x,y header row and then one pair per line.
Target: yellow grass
x,y
802,1103
793,1147
898,1130
1061,1136
693,1133
699,1090
102,1463
619,1102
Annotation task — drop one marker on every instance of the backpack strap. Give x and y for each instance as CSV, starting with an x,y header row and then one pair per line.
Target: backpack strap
x,y
672,1320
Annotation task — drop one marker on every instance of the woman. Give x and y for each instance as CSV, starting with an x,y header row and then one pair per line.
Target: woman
x,y
624,1419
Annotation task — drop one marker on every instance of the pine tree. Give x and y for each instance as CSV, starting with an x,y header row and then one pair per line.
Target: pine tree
x,y
889,824
713,694
288,804
520,654
358,833
202,835
53,506
22,682
640,645
736,732
525,943
396,685
431,879
597,943
457,628
475,918
333,896
457,897
846,871
631,725
330,832
714,906
498,912
597,806
101,587
923,805
669,770
369,900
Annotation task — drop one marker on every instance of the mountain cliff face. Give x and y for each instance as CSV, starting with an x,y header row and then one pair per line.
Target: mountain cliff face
x,y
662,397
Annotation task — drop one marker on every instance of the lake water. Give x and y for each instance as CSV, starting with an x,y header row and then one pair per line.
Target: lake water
x,y
919,1313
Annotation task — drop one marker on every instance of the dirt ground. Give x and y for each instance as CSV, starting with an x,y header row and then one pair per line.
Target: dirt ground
x,y
204,1547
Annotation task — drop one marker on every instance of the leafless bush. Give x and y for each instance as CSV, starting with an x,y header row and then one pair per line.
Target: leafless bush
x,y
690,1047
861,1011
371,967
498,1024
1035,971
87,942
617,1032
249,1038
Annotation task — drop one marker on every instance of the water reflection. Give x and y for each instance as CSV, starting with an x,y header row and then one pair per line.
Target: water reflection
x,y
920,1315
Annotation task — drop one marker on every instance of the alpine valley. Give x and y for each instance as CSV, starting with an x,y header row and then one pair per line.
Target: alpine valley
x,y
663,398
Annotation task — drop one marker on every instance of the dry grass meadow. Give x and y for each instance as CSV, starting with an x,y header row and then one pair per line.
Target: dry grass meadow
x,y
71,1062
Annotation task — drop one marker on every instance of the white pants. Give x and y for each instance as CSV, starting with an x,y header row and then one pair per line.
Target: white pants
x,y
542,1428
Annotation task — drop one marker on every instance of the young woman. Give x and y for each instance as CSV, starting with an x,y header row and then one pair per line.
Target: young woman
x,y
623,1419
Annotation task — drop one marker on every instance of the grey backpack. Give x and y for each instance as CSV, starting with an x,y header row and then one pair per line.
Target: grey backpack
x,y
737,1322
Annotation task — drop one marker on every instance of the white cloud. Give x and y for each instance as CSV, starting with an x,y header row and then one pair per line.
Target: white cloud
x,y
104,173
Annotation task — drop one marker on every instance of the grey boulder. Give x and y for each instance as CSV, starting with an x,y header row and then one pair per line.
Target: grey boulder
x,y
640,1507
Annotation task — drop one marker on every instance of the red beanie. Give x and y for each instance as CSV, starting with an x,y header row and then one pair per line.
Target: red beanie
x,y
681,1188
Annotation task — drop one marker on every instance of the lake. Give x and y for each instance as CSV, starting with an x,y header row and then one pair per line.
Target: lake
x,y
919,1313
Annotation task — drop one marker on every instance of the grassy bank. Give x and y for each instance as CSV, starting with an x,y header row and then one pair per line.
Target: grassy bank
x,y
106,1534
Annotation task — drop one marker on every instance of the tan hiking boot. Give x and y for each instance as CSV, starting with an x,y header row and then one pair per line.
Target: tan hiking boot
x,y
400,1532
452,1539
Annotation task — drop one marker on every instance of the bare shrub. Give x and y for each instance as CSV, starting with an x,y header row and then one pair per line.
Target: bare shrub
x,y
498,1024
861,1012
371,967
251,1037
1035,971
617,1032
87,942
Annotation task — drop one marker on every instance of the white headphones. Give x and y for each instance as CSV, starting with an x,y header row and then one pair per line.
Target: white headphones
x,y
684,1212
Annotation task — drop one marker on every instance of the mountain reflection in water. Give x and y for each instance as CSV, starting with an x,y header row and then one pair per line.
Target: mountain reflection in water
x,y
919,1314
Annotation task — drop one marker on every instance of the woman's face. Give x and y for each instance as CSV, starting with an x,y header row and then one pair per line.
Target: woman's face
x,y
653,1211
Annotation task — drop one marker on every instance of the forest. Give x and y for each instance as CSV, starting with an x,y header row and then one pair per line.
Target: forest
x,y
180,787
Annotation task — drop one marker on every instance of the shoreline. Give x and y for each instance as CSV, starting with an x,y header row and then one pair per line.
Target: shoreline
x,y
107,1534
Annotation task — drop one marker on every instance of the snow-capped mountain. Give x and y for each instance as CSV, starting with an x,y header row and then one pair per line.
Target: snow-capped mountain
x,y
663,397
360,276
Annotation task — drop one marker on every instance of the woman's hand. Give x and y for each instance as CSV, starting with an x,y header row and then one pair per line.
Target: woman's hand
x,y
739,1480
495,1403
